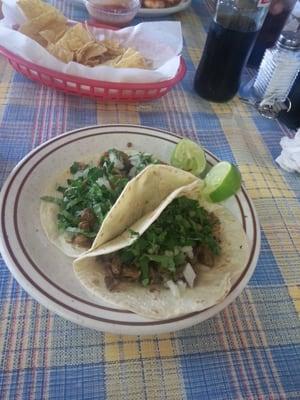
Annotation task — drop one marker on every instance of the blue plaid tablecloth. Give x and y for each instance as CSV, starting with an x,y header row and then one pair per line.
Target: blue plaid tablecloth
x,y
251,350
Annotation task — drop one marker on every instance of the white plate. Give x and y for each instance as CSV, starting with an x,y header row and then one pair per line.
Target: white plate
x,y
161,12
46,274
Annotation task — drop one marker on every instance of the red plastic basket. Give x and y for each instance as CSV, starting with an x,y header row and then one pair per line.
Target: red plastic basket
x,y
101,90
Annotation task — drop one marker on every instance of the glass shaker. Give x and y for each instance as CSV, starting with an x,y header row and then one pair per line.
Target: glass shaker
x,y
269,90
229,42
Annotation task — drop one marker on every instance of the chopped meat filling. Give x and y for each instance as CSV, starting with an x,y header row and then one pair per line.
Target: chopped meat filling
x,y
116,271
82,241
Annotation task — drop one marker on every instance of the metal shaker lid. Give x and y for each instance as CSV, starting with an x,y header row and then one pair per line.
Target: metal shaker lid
x,y
289,40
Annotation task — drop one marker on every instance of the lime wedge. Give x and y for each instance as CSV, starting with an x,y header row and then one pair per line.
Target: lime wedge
x,y
188,156
222,181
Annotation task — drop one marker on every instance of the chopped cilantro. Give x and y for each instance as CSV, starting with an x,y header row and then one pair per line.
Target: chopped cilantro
x,y
141,161
74,167
183,223
93,187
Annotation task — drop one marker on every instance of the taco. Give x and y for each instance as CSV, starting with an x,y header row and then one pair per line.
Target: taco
x,y
182,257
88,205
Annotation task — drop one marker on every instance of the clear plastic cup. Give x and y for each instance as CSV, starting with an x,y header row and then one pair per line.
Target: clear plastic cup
x,y
113,12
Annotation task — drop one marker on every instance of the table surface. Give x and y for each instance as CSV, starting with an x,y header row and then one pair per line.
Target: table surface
x,y
251,350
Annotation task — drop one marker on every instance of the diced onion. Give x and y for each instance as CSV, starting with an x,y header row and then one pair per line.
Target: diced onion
x,y
189,275
188,250
181,286
135,159
114,159
174,288
103,182
132,172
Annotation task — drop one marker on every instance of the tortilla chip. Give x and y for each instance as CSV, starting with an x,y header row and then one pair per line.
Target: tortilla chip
x,y
112,62
62,54
90,54
74,38
53,34
113,48
130,59
34,8
33,28
31,33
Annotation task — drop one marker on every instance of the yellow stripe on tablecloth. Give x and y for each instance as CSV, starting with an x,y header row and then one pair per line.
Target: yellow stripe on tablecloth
x,y
120,348
118,114
279,218
233,108
3,91
264,182
129,348
132,368
149,349
294,292
144,379
244,138
6,72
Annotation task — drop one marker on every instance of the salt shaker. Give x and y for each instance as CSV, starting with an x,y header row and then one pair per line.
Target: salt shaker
x,y
276,75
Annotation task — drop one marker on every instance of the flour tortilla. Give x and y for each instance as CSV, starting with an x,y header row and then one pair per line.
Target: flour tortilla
x,y
212,285
141,195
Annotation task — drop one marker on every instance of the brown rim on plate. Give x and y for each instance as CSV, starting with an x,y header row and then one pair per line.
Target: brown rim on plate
x,y
20,242
35,266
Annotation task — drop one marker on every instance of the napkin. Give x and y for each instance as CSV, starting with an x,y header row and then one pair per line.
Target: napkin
x,y
289,159
160,42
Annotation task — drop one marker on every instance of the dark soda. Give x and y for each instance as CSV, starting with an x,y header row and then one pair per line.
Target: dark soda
x,y
224,56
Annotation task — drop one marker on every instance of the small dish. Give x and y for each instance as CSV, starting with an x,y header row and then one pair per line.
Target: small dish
x,y
113,12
